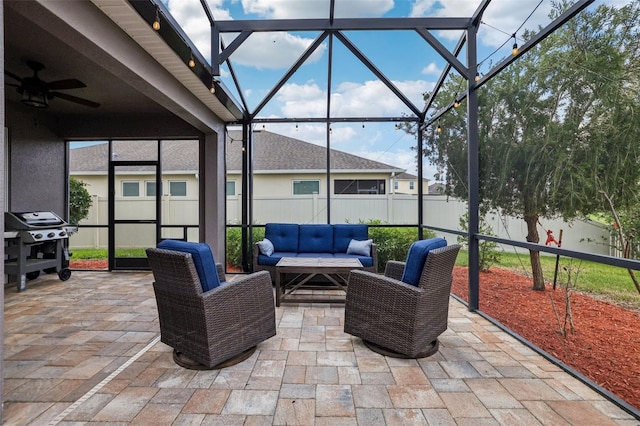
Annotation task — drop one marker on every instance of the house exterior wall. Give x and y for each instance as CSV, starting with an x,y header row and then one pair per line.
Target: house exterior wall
x,y
281,184
37,158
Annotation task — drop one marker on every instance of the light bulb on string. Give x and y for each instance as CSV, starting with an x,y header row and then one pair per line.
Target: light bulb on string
x,y
439,129
515,50
156,22
477,78
192,62
456,102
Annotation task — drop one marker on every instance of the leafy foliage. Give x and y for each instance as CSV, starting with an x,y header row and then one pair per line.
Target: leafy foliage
x,y
489,254
556,127
79,201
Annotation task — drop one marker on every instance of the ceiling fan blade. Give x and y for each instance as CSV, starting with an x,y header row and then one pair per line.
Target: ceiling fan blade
x,y
70,83
12,75
75,99
12,84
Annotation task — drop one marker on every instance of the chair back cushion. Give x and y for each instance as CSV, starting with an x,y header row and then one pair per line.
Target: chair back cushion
x,y
417,256
283,236
202,258
315,239
344,233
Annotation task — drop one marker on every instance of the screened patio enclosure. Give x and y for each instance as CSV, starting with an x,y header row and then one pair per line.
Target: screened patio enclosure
x,y
334,35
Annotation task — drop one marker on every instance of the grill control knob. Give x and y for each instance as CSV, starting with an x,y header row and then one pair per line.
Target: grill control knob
x,y
62,234
37,236
51,234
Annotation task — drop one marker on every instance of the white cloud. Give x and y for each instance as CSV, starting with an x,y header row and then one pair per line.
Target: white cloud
x,y
191,17
277,50
431,69
296,9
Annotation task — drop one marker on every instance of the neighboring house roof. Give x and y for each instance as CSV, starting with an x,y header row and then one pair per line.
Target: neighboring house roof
x,y
272,153
178,156
409,176
275,152
437,189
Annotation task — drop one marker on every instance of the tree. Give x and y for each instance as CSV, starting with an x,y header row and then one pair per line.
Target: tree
x,y
79,201
556,128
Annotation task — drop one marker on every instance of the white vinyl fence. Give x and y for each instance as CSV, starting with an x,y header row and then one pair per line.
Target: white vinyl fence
x,y
439,211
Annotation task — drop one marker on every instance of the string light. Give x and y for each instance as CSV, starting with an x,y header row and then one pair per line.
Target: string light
x,y
439,129
515,50
456,102
192,62
296,127
477,79
213,85
156,22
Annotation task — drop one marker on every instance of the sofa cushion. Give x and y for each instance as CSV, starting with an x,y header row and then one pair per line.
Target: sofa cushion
x,y
284,236
344,233
266,247
202,258
367,261
417,256
315,239
362,248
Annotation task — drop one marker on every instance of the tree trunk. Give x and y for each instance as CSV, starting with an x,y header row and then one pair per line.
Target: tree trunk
x,y
534,255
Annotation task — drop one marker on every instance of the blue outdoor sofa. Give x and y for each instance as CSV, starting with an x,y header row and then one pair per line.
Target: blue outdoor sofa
x,y
314,240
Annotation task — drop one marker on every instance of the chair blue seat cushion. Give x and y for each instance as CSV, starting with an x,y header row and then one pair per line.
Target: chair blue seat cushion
x,y
417,256
202,258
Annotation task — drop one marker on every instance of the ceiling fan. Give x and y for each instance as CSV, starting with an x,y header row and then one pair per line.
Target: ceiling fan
x,y
37,93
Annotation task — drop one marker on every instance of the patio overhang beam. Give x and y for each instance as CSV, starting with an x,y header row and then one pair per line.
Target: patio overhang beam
x,y
343,24
576,8
178,41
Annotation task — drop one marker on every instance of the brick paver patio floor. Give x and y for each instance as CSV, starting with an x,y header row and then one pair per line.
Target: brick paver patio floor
x,y
87,350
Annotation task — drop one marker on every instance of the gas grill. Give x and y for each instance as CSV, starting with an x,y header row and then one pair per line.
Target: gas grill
x,y
34,242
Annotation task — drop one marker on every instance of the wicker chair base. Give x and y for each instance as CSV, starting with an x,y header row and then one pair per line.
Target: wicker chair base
x,y
184,361
431,349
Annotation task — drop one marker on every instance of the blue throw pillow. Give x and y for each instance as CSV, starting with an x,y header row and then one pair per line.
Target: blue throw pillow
x,y
202,258
266,247
417,256
361,248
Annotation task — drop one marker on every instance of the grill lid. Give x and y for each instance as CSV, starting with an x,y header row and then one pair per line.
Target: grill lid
x,y
31,220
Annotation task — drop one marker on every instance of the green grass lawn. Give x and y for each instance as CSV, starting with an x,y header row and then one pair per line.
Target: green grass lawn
x,y
610,282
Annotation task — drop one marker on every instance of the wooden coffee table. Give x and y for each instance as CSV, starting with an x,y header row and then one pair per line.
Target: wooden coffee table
x,y
306,268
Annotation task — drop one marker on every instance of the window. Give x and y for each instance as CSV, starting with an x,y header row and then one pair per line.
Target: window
x,y
231,187
301,187
178,188
130,189
150,188
359,186
395,184
411,185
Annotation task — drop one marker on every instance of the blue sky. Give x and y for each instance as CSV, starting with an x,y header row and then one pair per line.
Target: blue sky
x,y
403,56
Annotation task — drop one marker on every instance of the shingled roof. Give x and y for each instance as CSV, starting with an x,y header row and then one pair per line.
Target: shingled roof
x,y
272,152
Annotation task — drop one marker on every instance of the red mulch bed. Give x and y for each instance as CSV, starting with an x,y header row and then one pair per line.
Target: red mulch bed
x,y
606,344
604,348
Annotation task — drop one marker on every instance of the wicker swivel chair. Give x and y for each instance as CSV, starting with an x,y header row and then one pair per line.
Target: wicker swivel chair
x,y
215,328
402,313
